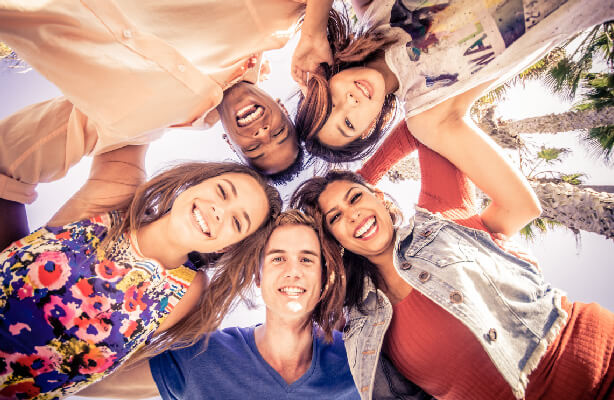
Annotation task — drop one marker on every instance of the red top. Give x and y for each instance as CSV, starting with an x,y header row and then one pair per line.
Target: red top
x,y
443,356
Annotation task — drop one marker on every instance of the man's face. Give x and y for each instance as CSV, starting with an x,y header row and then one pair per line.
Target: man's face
x,y
258,128
291,274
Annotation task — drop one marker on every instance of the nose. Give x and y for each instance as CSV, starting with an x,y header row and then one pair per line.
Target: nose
x,y
262,131
355,215
293,269
217,213
351,99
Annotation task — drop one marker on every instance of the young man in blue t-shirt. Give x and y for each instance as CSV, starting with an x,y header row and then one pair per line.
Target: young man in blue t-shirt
x,y
286,357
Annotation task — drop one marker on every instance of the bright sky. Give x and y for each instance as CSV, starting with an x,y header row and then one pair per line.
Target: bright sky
x,y
584,271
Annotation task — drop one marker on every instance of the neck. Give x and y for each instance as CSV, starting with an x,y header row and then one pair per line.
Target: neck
x,y
390,79
286,346
155,245
395,287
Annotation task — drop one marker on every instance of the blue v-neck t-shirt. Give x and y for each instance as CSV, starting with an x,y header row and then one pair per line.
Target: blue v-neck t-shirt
x,y
232,368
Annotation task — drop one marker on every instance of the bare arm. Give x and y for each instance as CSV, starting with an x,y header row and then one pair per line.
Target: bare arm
x,y
134,382
449,131
313,47
113,179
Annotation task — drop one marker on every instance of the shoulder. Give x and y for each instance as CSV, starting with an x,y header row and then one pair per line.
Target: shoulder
x,y
333,351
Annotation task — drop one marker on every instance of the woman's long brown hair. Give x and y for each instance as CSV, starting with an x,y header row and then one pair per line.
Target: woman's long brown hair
x,y
329,310
349,50
234,270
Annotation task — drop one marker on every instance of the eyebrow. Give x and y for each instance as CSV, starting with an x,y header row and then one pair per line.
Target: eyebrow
x,y
249,221
345,198
280,251
232,187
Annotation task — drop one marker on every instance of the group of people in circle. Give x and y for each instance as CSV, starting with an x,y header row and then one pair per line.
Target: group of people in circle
x,y
122,292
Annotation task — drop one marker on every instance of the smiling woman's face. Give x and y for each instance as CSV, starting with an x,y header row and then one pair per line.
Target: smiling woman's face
x,y
357,96
218,212
356,218
258,128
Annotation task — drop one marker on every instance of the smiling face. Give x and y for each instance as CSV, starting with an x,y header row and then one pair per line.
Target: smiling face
x,y
291,273
357,218
217,212
258,128
357,96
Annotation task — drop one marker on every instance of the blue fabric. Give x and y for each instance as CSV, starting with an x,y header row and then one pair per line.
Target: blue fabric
x,y
232,368
498,292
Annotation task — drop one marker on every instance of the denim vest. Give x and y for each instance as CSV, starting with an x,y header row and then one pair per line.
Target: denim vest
x,y
502,299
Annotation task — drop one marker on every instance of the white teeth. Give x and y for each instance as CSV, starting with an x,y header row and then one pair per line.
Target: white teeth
x,y
363,89
368,226
248,114
292,290
201,221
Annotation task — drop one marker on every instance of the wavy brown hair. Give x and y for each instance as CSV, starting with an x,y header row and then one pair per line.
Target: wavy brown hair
x,y
356,267
233,271
348,50
329,309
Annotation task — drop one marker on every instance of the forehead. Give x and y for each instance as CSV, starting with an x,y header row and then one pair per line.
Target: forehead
x,y
335,192
294,238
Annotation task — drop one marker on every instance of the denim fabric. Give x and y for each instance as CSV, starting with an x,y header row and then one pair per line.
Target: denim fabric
x,y
503,300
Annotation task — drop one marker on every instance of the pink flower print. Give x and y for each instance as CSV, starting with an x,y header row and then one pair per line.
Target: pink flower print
x,y
28,388
25,291
50,270
128,327
97,360
57,310
43,360
133,298
93,330
16,329
109,271
94,305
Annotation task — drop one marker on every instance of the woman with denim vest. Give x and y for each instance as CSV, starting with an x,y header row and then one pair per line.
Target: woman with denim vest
x,y
472,318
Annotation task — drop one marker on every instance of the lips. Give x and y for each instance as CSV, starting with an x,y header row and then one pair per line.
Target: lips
x,y
292,291
200,221
364,87
248,114
366,229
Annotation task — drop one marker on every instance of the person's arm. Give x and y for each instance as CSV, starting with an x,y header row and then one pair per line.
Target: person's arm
x,y
133,382
397,145
449,131
113,179
313,47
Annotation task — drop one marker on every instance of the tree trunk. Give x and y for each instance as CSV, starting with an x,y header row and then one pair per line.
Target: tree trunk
x,y
578,207
507,133
586,207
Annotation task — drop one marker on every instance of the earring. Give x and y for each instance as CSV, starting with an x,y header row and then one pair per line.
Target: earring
x,y
342,251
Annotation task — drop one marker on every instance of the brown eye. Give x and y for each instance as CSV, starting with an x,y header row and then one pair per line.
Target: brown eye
x,y
349,124
355,198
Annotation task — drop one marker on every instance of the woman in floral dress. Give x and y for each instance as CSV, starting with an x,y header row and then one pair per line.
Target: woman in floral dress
x,y
79,298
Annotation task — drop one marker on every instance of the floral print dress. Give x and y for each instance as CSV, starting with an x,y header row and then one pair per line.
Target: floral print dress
x,y
69,315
